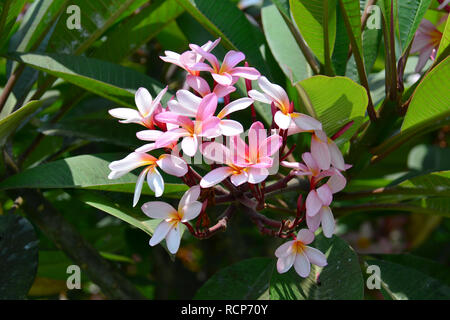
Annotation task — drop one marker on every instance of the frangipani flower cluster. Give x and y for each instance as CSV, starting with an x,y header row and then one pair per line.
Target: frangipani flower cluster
x,y
195,121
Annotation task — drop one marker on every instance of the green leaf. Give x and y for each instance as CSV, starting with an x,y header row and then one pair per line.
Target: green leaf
x,y
283,45
341,45
342,101
96,17
410,13
138,30
316,20
11,122
85,171
433,93
18,256
106,79
353,16
436,183
10,9
98,130
407,277
223,19
341,279
245,280
444,48
122,212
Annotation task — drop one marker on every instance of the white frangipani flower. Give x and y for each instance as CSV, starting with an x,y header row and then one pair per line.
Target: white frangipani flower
x,y
296,253
188,208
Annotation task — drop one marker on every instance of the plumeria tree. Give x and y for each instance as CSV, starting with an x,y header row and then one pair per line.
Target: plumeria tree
x,y
268,150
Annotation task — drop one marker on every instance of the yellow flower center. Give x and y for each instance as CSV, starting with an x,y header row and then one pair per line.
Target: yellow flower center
x,y
298,246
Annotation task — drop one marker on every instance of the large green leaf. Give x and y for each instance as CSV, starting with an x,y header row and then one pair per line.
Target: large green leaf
x,y
139,29
342,101
410,13
409,277
96,17
316,20
106,79
223,19
340,279
18,256
85,171
245,280
11,122
431,99
283,45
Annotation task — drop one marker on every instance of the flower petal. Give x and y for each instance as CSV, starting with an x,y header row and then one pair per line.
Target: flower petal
x,y
138,187
328,223
258,96
189,196
236,105
320,152
245,72
230,128
284,250
302,265
172,165
215,176
216,152
198,84
157,209
155,182
130,115
132,161
313,203
224,79
285,263
276,92
282,120
173,239
231,59
191,210
238,179
257,175
315,256
325,194
305,236
336,158
149,135
160,233
313,222
143,100
305,122
189,145
207,107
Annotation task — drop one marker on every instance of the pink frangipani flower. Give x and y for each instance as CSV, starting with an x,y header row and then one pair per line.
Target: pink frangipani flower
x,y
188,208
188,59
147,108
205,125
296,253
318,210
426,43
227,73
275,94
244,163
168,163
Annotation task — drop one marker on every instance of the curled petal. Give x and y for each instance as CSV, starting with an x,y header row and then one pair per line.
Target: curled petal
x,y
138,187
149,135
245,72
276,92
143,100
325,194
230,128
305,122
282,120
172,165
236,105
127,114
132,161
258,96
155,182
191,210
320,152
189,196
336,158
